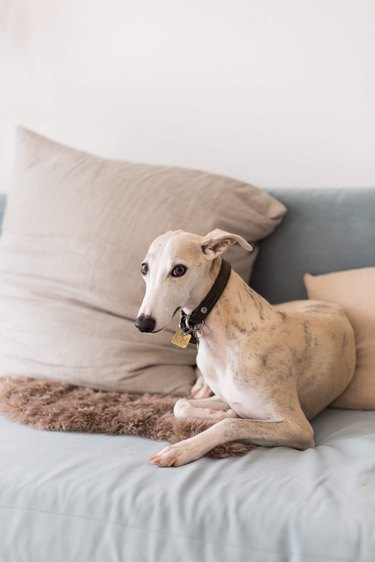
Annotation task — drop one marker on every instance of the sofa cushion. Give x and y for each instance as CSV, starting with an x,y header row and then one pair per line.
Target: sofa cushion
x,y
355,291
78,497
75,231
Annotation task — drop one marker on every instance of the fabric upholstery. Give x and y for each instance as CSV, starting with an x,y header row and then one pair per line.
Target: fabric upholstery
x,y
95,498
325,230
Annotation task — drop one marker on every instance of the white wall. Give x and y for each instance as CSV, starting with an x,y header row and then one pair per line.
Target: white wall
x,y
276,92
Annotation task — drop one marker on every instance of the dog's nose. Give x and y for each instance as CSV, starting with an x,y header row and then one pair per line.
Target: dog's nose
x,y
145,323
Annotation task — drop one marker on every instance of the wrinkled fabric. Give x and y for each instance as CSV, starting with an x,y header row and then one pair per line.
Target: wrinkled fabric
x,y
94,498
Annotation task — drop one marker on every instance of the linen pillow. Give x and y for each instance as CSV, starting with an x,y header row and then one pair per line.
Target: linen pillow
x,y
355,291
75,231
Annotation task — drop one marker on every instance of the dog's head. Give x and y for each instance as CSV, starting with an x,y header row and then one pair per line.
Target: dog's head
x,y
176,270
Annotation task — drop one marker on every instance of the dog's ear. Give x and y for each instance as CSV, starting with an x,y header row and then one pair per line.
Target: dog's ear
x,y
216,242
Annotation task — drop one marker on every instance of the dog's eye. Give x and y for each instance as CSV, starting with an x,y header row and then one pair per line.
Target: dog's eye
x,y
144,268
178,270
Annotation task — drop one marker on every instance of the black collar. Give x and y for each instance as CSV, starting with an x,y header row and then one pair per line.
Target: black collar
x,y
189,323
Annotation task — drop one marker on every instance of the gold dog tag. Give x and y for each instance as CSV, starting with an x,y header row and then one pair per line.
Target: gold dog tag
x,y
181,339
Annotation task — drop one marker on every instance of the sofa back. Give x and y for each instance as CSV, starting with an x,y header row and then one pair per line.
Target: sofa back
x,y
324,230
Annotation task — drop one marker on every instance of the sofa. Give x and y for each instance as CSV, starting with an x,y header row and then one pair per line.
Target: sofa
x,y
69,497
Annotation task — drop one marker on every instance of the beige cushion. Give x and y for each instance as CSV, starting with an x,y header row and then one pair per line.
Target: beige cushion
x,y
76,229
355,291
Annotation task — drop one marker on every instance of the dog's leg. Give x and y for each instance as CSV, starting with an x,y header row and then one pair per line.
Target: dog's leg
x,y
200,388
296,433
213,408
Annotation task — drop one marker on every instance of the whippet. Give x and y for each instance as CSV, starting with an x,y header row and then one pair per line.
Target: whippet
x,y
271,368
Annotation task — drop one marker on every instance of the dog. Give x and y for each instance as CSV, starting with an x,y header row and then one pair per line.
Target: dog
x,y
271,368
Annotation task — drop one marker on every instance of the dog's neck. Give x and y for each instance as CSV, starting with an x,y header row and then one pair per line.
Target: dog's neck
x,y
227,314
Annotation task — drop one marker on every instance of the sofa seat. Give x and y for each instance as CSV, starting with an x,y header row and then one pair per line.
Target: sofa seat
x,y
76,497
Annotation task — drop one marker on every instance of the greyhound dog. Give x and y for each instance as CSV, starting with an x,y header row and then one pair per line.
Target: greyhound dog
x,y
271,368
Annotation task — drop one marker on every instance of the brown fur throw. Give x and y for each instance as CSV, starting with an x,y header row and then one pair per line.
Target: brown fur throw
x,y
45,404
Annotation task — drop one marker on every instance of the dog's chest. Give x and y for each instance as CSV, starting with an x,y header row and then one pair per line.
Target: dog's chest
x,y
243,396
212,362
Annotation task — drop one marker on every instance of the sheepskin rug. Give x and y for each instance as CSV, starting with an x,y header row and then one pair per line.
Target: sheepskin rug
x,y
54,406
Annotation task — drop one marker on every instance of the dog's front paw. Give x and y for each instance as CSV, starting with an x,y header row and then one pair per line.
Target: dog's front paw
x,y
183,408
175,455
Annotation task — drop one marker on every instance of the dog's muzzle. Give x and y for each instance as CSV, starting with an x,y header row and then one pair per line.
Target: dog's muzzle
x,y
145,323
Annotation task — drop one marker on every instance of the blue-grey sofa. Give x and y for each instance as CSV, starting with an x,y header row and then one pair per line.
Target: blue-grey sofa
x,y
70,497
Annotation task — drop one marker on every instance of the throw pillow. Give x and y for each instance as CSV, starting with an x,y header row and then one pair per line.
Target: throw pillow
x,y
355,291
75,231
